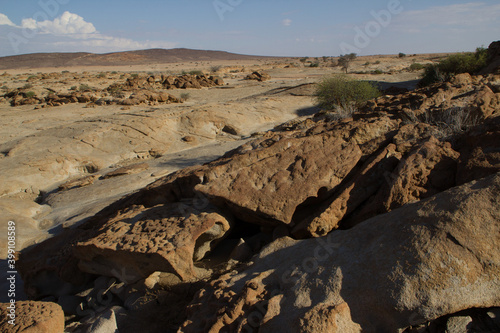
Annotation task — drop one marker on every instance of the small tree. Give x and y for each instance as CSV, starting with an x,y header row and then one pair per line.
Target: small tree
x,y
401,55
345,60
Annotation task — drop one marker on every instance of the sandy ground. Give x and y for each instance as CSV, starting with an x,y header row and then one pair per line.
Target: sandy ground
x,y
32,141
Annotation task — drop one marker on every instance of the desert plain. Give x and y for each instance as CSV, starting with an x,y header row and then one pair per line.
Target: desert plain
x,y
215,195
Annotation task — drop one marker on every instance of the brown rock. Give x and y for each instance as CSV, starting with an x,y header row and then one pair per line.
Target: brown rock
x,y
142,240
259,76
428,170
351,196
32,317
79,182
413,265
127,170
480,155
267,185
493,59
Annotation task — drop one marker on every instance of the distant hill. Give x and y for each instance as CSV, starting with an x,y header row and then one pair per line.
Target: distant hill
x,y
152,56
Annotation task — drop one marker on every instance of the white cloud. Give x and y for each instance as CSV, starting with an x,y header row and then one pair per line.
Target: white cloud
x,y
286,22
4,20
67,24
69,33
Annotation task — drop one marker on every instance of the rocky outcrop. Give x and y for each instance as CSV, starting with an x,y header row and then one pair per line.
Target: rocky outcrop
x,y
143,240
185,81
258,76
140,90
32,317
493,60
267,185
405,268
464,95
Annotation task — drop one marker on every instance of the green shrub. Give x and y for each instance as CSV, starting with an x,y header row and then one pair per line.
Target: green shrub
x,y
85,87
401,55
195,72
304,59
314,64
416,67
29,94
73,88
101,75
185,96
377,72
27,86
377,62
468,62
366,63
342,91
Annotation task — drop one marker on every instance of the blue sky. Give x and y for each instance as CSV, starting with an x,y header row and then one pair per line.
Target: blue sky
x,y
262,27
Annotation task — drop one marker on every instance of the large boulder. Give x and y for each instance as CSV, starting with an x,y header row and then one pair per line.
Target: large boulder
x,y
480,155
415,264
493,59
142,240
267,185
352,195
32,317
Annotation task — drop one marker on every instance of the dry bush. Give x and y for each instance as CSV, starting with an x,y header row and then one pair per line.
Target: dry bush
x,y
449,122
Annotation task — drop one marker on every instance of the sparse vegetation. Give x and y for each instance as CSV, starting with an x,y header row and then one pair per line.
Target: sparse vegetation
x,y
73,88
377,62
85,87
450,122
314,64
377,72
215,69
27,86
341,91
32,77
469,62
416,67
303,60
29,94
5,88
116,91
402,55
192,72
195,72
185,96
345,60
101,75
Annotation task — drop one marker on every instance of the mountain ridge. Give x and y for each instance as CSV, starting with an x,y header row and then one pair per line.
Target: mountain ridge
x,y
136,57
